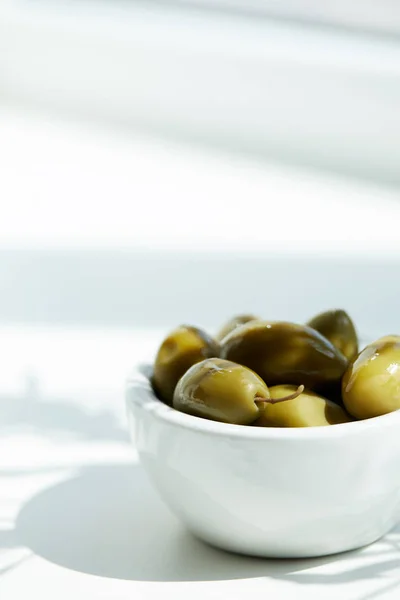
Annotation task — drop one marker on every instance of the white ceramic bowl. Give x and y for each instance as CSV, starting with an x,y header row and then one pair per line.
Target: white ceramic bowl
x,y
270,492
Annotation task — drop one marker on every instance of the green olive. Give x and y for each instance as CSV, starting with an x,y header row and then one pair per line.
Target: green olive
x,y
233,324
221,390
181,349
388,338
338,328
304,410
283,352
371,384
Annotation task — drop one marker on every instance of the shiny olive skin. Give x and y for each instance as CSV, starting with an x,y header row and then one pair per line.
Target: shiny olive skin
x,y
284,352
233,324
338,328
221,390
371,384
388,338
181,349
307,410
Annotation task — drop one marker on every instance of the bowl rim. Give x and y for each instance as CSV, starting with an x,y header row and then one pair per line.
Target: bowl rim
x,y
140,392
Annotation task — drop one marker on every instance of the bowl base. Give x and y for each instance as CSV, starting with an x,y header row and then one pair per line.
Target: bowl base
x,y
287,554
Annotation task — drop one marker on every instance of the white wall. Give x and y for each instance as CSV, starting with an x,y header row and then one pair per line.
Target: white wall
x,y
101,228
293,93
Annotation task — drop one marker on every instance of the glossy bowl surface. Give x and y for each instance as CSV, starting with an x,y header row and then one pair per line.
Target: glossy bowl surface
x,y
267,491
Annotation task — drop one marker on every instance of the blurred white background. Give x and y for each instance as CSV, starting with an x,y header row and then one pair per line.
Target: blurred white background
x,y
223,158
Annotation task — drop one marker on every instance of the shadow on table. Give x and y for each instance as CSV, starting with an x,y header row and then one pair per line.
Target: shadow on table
x,y
108,521
8,541
55,416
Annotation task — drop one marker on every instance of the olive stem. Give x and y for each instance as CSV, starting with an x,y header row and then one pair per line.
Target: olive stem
x,y
295,394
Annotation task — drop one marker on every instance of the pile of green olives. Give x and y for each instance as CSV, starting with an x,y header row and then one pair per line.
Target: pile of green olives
x,y
278,373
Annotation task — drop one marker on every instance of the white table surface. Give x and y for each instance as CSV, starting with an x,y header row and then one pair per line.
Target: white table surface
x,y
78,518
